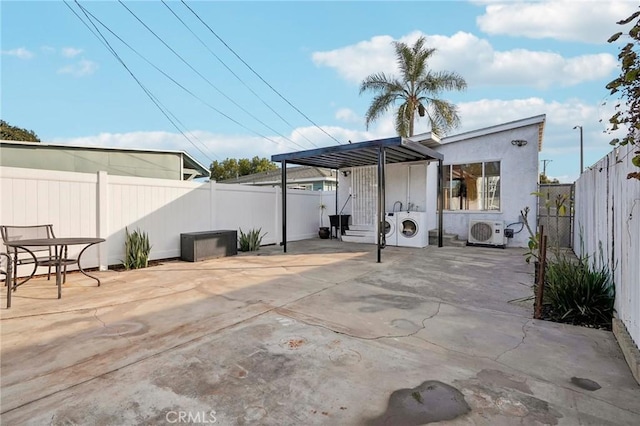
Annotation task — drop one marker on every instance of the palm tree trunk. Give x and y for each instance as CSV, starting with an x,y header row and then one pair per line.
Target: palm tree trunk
x,y
411,119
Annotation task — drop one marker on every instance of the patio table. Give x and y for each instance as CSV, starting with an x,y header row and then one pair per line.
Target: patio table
x,y
60,246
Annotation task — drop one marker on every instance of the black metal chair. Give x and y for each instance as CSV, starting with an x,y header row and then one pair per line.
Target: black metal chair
x,y
36,256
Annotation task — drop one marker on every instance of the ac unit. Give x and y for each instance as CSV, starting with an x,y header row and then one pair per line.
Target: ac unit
x,y
487,232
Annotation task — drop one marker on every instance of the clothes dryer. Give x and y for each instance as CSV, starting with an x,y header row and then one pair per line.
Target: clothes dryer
x,y
412,229
390,229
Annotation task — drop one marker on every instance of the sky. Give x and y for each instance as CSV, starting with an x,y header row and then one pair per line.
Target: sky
x,y
242,79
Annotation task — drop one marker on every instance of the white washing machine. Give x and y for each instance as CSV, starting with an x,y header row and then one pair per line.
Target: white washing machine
x,y
390,229
412,229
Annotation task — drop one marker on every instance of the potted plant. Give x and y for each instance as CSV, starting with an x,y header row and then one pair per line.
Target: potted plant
x,y
323,232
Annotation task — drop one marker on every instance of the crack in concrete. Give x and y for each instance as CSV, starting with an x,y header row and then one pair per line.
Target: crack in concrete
x,y
370,338
524,336
95,315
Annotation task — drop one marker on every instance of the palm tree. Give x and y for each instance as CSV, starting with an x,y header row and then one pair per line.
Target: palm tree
x,y
417,89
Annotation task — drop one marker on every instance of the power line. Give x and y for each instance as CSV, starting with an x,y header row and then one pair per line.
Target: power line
x,y
153,99
258,75
181,86
203,77
236,75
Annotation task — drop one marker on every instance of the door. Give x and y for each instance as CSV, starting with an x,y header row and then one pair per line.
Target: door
x,y
364,184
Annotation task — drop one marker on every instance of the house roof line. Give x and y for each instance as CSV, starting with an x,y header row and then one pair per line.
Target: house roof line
x,y
189,160
537,119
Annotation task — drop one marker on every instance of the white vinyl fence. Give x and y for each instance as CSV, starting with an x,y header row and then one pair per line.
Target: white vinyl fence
x,y
607,213
102,205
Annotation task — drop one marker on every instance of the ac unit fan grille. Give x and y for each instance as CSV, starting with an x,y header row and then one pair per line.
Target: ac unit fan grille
x,y
481,231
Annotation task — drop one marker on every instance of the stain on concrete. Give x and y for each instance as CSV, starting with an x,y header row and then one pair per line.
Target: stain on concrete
x,y
293,343
254,414
495,393
344,357
432,401
194,379
122,329
504,380
380,302
586,384
405,325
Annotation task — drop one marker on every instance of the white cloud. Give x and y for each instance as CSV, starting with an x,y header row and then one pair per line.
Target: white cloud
x,y
20,53
560,139
82,68
485,66
48,49
570,20
357,61
208,146
70,52
348,116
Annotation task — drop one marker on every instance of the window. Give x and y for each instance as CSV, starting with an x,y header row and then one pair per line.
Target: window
x,y
473,186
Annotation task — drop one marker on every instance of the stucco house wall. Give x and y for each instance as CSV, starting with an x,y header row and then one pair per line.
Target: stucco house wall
x,y
518,179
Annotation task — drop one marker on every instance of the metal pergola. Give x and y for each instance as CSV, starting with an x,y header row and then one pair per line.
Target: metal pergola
x,y
368,153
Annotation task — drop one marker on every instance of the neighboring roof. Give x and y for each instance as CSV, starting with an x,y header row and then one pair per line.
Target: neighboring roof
x,y
397,149
191,167
538,119
294,174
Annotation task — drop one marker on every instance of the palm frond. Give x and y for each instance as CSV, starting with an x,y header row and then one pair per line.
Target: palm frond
x,y
443,116
378,82
417,88
380,104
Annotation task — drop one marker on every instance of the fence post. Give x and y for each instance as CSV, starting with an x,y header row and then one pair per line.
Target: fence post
x,y
213,206
102,219
542,266
276,207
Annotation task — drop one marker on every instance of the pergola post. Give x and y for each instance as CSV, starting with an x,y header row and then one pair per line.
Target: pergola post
x,y
284,204
440,201
381,199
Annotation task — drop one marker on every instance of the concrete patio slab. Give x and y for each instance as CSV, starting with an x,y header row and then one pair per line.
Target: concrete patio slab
x,y
320,335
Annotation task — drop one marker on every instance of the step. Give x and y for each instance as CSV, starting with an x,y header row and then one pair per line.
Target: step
x,y
359,233
359,238
362,228
448,240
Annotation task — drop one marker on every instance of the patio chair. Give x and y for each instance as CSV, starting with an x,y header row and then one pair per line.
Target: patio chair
x,y
36,256
5,270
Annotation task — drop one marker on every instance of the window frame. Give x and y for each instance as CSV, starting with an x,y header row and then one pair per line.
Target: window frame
x,y
448,186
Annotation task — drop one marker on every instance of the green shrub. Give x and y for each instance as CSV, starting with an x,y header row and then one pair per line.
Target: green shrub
x,y
136,250
580,292
251,240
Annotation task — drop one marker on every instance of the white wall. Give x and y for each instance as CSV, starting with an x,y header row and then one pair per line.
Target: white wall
x,y
607,212
518,179
100,205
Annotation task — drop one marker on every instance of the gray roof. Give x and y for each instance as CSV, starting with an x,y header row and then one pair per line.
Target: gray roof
x,y
191,167
294,174
397,150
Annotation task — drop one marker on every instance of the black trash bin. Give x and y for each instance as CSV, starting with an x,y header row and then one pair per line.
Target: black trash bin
x,y
339,221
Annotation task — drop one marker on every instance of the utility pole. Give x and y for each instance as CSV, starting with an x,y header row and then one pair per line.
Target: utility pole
x,y
544,166
581,149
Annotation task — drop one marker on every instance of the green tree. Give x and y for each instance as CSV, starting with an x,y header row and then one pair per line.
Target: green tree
x,y
627,113
232,168
545,179
12,133
417,89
